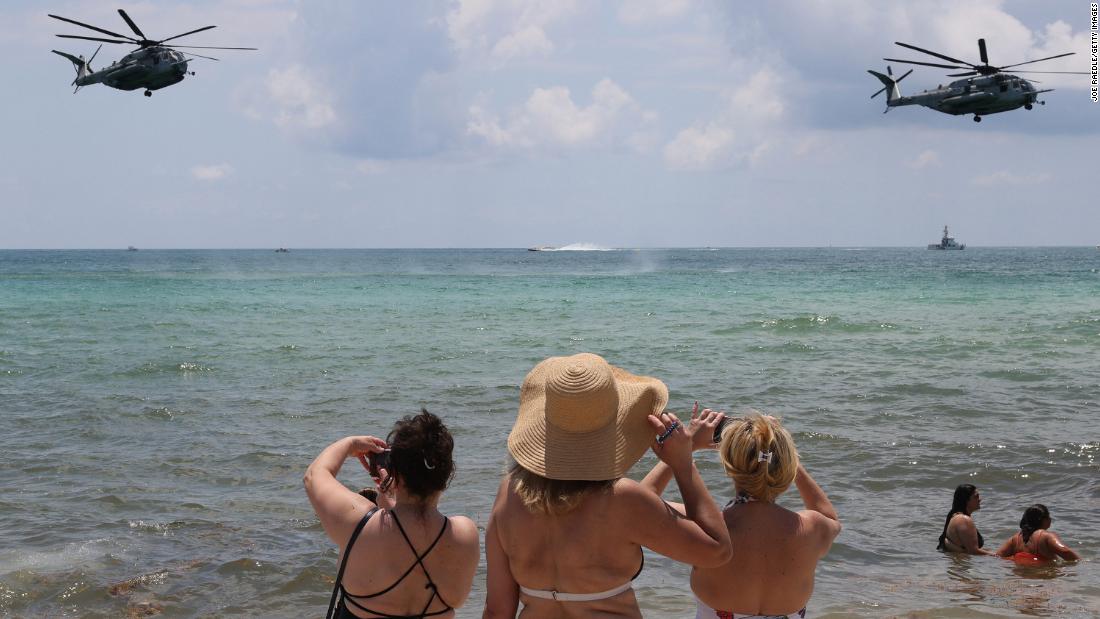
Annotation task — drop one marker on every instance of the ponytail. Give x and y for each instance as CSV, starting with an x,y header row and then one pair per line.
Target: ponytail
x,y
759,454
1032,520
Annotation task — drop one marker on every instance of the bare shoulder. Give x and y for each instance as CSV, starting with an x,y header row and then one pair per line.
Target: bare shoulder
x,y
463,526
820,525
962,520
464,531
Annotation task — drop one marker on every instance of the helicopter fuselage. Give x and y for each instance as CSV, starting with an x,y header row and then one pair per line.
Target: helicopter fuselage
x,y
151,68
981,95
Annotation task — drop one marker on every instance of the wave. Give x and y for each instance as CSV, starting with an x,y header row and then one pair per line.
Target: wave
x,y
581,247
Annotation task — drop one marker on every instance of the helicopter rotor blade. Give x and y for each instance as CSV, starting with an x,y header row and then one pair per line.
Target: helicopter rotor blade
x,y
187,33
198,55
1056,72
76,36
211,47
1039,60
73,21
903,76
879,92
131,24
931,53
981,51
967,74
926,64
89,62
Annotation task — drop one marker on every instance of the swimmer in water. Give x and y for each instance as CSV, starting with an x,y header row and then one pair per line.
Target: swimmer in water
x,y
1035,541
959,532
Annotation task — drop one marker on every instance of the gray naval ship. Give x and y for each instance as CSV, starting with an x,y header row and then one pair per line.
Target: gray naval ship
x,y
947,242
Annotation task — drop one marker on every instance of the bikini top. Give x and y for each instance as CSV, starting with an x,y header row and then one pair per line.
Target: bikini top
x,y
348,597
558,596
1031,542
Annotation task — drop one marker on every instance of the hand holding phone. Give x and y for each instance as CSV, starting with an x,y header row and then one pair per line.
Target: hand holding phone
x,y
377,461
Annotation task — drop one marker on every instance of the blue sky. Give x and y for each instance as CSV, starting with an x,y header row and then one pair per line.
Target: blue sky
x,y
491,123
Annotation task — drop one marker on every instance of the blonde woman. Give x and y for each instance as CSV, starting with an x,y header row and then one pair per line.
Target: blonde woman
x,y
567,529
775,550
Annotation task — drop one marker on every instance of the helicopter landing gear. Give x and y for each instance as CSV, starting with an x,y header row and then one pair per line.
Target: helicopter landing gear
x,y
1027,106
148,93
977,118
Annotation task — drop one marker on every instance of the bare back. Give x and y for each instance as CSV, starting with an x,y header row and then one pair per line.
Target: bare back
x,y
775,553
381,555
587,550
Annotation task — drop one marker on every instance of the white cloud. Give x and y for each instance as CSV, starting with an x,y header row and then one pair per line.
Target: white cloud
x,y
698,148
530,41
1004,177
299,100
212,172
926,159
550,118
507,29
740,132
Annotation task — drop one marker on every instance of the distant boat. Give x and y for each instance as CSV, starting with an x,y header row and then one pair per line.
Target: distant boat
x,y
282,250
131,248
541,248
947,242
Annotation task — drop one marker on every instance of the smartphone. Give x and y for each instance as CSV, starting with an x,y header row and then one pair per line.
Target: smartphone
x,y
380,460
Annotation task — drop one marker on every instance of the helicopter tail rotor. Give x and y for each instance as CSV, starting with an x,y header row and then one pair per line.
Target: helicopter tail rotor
x,y
889,85
82,67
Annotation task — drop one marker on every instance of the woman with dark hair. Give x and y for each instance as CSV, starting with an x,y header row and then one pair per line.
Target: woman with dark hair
x,y
566,533
410,560
1036,542
959,532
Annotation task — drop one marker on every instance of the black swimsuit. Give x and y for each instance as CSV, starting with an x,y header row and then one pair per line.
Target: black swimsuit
x,y
341,596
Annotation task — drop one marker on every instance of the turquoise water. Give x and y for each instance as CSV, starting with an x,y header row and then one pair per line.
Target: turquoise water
x,y
158,408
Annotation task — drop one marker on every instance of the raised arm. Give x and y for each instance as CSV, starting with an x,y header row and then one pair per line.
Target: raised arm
x,y
699,537
813,497
819,509
701,431
338,508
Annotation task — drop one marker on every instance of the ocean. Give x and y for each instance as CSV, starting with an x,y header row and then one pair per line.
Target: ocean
x,y
158,408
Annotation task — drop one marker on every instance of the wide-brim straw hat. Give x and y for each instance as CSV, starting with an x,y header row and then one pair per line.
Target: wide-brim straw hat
x,y
582,418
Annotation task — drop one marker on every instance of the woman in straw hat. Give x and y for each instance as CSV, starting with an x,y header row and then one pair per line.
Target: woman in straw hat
x,y
567,529
777,549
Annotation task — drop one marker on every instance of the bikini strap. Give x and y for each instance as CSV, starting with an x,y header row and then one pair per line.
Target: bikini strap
x,y
344,561
420,560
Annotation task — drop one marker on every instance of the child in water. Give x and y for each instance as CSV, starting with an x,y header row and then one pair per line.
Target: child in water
x,y
1035,542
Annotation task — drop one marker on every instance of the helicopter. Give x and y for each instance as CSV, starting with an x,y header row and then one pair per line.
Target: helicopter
x,y
152,66
986,89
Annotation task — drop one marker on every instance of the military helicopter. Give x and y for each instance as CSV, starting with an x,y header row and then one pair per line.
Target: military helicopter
x,y
152,66
989,91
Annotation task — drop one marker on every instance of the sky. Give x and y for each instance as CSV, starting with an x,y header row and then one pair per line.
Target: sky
x,y
509,123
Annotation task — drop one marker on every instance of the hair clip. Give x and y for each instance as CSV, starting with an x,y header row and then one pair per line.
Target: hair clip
x,y
428,466
764,456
